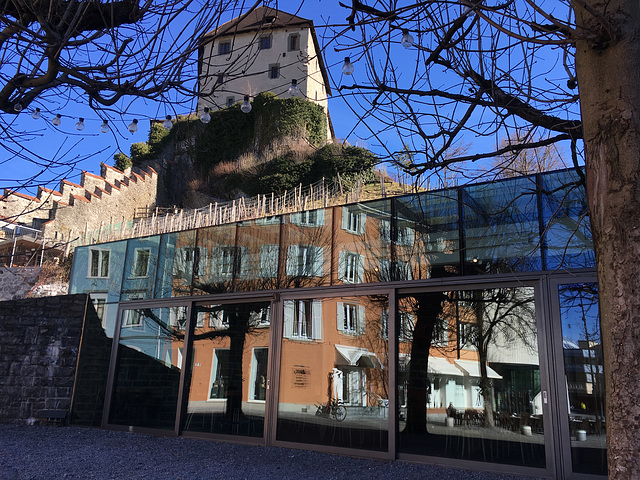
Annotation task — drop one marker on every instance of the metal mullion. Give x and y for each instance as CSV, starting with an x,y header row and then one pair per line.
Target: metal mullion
x,y
183,390
393,348
546,362
273,373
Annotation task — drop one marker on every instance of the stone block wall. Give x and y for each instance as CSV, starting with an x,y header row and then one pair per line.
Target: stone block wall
x,y
39,343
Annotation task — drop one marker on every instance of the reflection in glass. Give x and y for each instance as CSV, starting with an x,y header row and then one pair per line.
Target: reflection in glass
x,y
565,213
220,262
258,247
469,377
501,227
306,244
178,260
228,385
334,373
426,236
140,267
584,375
147,375
363,242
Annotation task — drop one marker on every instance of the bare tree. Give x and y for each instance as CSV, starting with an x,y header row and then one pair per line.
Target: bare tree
x,y
525,162
100,53
565,71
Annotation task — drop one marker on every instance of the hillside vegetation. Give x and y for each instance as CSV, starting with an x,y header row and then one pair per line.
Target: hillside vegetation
x,y
280,144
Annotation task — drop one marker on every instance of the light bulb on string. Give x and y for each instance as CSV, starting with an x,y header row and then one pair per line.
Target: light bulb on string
x,y
407,39
167,123
57,120
293,89
206,116
35,114
133,126
104,128
17,107
347,68
246,106
80,124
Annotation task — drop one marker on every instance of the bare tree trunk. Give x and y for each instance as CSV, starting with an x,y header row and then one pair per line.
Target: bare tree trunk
x,y
429,308
486,389
238,326
608,68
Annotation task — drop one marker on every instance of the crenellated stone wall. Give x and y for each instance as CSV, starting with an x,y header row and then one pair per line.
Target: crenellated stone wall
x,y
111,197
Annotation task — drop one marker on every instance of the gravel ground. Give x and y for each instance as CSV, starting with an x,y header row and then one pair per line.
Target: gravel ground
x,y
39,452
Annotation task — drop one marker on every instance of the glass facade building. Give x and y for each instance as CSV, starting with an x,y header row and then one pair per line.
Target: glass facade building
x,y
459,326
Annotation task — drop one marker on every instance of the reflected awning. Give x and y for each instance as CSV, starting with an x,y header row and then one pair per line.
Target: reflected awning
x,y
436,366
356,357
472,368
440,366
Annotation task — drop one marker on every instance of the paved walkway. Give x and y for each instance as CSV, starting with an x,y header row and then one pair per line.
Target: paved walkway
x,y
85,453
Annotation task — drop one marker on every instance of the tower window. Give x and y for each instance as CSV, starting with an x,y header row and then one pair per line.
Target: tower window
x,y
224,48
293,42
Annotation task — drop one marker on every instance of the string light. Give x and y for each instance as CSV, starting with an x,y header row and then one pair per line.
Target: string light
x,y
167,123
17,107
104,128
80,124
246,106
133,126
407,39
57,120
347,68
35,114
293,89
205,117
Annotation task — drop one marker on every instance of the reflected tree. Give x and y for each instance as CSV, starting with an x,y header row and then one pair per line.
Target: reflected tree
x,y
428,309
502,318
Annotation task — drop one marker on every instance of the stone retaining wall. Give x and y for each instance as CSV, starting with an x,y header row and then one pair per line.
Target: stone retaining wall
x,y
39,343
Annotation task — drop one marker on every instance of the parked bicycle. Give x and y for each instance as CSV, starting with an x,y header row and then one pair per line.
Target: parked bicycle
x,y
334,409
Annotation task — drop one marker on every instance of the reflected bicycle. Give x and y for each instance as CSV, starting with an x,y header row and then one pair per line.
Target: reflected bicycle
x,y
333,409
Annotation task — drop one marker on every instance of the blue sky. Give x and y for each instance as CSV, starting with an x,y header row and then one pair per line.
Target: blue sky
x,y
63,152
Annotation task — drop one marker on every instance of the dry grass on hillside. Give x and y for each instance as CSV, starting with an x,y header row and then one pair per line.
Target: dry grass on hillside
x,y
248,162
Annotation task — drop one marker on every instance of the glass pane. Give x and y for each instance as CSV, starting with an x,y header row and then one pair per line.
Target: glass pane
x,y
567,229
258,249
176,264
427,236
228,385
140,267
218,261
307,244
501,227
584,376
334,385
363,243
93,361
147,375
469,376
98,268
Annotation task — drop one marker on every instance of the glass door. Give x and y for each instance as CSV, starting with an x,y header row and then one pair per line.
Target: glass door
x,y
469,377
227,383
580,383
